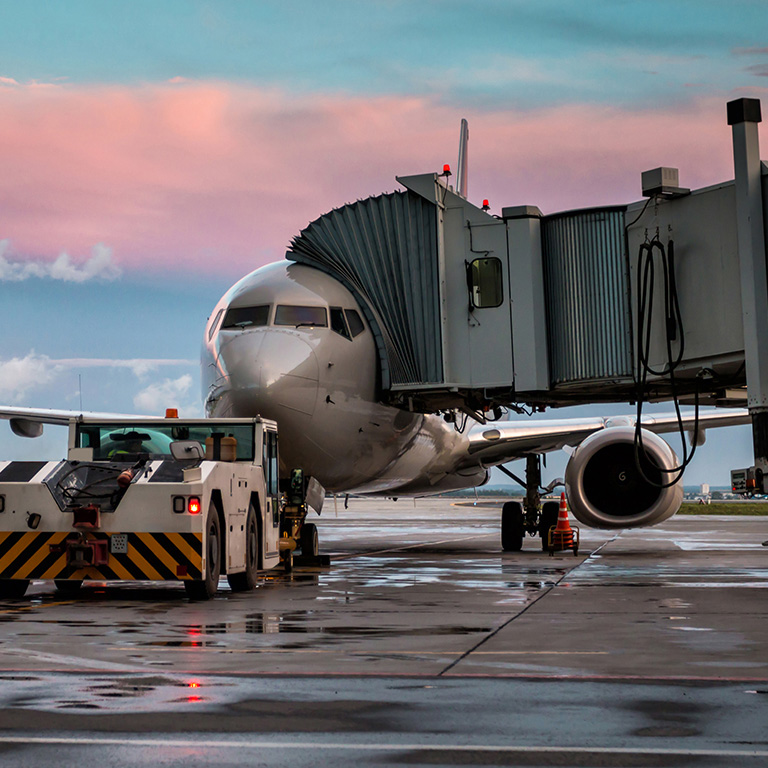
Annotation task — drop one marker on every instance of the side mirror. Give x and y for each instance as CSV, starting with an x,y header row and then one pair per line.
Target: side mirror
x,y
187,450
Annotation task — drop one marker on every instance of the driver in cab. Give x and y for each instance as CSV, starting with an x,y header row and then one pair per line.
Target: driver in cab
x,y
129,445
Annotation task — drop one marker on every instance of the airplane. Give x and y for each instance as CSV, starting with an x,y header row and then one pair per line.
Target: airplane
x,y
290,343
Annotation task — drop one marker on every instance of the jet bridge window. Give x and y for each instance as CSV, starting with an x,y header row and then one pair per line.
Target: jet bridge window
x,y
246,317
484,277
287,314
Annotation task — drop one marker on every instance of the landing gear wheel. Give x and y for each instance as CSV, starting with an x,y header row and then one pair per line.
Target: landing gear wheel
x,y
246,581
205,589
512,526
68,586
13,588
310,545
548,518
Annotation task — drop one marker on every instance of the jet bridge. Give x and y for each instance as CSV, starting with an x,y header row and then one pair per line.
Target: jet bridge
x,y
472,311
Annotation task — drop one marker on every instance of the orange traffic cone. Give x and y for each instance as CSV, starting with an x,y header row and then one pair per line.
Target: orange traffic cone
x,y
562,536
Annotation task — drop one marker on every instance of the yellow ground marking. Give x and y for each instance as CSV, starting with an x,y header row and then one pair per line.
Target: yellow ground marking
x,y
41,605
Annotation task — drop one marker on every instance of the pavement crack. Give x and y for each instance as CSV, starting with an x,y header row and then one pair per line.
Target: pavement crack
x,y
498,629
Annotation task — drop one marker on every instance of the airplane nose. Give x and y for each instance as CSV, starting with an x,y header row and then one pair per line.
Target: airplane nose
x,y
268,367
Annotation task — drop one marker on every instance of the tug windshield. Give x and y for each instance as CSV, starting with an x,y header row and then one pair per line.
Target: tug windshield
x,y
127,442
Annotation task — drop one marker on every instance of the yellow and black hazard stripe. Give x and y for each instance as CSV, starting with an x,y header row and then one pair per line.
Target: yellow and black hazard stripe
x,y
149,556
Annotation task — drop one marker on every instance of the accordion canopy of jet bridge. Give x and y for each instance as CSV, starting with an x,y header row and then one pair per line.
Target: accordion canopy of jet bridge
x,y
384,249
471,310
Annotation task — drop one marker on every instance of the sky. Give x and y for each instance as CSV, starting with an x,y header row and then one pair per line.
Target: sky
x,y
151,153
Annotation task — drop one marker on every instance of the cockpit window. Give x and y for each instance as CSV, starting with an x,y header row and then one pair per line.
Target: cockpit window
x,y
356,326
214,324
287,314
339,323
246,317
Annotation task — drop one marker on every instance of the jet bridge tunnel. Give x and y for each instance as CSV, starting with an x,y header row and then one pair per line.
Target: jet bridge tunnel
x,y
473,311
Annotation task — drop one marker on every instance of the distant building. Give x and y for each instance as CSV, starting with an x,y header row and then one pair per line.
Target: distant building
x,y
704,490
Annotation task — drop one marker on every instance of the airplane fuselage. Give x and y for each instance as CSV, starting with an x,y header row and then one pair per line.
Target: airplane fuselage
x,y
289,342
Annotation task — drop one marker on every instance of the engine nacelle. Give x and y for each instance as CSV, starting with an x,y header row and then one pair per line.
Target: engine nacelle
x,y
605,488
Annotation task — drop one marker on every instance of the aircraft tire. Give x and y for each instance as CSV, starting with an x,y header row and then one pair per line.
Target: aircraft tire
x,y
205,589
308,539
13,588
246,580
512,526
549,512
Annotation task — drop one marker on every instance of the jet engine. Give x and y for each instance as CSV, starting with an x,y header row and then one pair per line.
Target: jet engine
x,y
607,490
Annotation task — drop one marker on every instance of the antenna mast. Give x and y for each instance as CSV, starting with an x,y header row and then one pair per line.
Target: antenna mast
x,y
461,171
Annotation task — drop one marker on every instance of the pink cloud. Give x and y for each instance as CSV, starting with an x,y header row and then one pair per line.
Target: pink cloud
x,y
204,175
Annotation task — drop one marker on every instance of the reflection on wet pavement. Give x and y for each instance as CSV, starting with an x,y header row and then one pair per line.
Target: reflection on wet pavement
x,y
423,589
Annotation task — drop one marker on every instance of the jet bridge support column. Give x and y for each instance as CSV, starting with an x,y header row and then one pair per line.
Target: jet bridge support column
x,y
744,116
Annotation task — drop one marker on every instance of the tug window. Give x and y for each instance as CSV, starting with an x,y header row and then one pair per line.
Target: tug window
x,y
338,323
485,283
246,317
356,326
287,314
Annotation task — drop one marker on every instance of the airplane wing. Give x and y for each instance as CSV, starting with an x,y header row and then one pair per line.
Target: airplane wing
x,y
502,441
25,420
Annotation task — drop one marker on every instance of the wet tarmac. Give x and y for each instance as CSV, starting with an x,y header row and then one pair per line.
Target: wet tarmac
x,y
421,644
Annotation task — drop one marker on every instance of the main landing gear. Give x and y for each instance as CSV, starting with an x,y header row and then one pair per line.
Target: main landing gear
x,y
531,517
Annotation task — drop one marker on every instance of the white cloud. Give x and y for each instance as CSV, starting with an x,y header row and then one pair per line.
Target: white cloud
x,y
19,375
98,266
169,393
140,366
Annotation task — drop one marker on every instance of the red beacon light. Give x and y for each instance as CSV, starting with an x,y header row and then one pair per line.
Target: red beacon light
x,y
486,205
171,413
446,170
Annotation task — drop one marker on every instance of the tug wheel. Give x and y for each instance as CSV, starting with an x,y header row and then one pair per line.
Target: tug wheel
x,y
205,589
246,580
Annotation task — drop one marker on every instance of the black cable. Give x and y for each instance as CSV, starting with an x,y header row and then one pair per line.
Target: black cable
x,y
639,215
672,331
460,429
